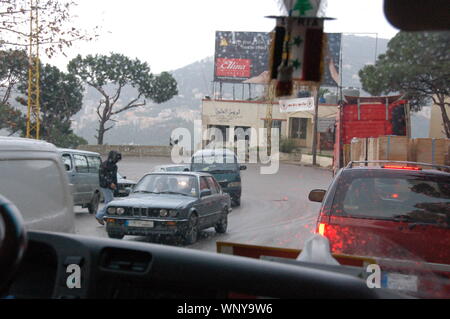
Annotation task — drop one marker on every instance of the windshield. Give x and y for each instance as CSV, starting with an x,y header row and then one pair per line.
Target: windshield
x,y
279,96
215,164
421,198
168,184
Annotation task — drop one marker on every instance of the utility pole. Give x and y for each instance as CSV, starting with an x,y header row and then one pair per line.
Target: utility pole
x,y
34,107
316,125
269,114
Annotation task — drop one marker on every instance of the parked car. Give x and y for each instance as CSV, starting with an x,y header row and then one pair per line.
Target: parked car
x,y
223,165
124,186
397,211
171,168
170,204
33,178
82,169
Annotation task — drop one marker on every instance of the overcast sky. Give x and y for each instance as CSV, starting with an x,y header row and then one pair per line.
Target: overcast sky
x,y
169,34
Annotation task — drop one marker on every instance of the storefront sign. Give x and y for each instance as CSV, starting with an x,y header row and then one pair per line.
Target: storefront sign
x,y
297,105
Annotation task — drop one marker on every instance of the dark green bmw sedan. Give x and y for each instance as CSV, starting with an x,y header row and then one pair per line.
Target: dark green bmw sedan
x,y
178,204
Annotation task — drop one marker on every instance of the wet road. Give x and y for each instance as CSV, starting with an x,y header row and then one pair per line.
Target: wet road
x,y
274,211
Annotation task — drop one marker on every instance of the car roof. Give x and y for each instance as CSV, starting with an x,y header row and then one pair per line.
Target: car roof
x,y
68,150
24,144
214,152
172,165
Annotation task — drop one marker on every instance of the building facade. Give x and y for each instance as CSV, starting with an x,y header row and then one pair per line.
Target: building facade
x,y
236,120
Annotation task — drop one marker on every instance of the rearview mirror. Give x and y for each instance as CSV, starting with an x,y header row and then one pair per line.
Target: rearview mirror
x,y
317,195
205,192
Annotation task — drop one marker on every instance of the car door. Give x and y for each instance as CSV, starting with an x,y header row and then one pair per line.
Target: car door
x,y
81,178
215,215
206,204
71,174
94,166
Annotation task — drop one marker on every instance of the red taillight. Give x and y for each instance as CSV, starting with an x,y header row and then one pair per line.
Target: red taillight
x,y
321,229
408,168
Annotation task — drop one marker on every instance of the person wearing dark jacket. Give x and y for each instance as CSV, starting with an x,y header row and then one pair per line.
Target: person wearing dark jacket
x,y
107,175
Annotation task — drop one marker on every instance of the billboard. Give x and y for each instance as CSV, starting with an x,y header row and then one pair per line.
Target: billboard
x,y
240,55
331,69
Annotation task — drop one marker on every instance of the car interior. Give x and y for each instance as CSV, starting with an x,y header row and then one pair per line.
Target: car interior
x,y
34,264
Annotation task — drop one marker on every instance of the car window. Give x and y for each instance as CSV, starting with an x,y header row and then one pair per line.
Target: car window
x,y
423,198
67,160
212,185
204,184
217,164
81,163
94,164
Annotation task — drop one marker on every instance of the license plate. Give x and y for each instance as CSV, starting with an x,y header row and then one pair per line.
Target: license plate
x,y
397,281
140,223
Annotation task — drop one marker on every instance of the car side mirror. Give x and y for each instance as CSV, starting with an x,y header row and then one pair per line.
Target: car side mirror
x,y
317,195
124,177
67,167
205,192
243,168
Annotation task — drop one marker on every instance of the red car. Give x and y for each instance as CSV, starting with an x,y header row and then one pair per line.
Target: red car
x,y
393,211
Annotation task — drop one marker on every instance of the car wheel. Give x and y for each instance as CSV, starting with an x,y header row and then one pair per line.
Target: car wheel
x,y
93,205
116,235
221,226
190,236
237,202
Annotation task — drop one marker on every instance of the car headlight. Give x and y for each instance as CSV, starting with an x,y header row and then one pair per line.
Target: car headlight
x,y
173,213
120,211
163,213
234,184
111,210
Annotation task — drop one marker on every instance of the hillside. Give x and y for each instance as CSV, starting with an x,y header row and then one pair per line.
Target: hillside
x,y
152,125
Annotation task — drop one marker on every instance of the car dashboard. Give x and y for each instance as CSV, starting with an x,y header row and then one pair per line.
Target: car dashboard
x,y
113,269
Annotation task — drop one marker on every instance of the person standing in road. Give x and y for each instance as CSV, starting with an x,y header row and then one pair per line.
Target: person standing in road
x,y
108,181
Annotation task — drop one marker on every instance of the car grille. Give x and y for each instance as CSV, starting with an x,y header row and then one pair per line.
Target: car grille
x,y
142,212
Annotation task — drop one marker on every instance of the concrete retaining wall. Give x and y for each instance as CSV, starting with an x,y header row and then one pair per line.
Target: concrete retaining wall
x,y
165,151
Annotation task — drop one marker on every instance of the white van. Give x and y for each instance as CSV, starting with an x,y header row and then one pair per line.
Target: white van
x,y
82,170
32,176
